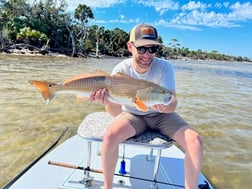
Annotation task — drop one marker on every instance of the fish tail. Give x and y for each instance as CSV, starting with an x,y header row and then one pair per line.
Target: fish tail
x,y
44,88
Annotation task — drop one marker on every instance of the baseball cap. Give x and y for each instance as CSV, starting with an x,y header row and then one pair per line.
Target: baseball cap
x,y
144,34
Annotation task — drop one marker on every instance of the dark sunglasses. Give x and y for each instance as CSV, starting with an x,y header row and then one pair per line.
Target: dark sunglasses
x,y
142,49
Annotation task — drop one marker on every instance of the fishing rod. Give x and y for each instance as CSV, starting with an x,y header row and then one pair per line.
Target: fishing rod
x,y
11,182
61,164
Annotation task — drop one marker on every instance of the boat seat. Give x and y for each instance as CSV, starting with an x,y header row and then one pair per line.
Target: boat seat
x,y
95,124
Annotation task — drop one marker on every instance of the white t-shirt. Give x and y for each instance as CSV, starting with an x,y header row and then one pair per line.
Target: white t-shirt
x,y
161,72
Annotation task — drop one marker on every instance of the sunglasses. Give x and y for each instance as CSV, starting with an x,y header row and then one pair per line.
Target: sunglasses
x,y
142,49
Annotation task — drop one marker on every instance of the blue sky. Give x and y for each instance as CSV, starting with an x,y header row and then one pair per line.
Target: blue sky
x,y
224,26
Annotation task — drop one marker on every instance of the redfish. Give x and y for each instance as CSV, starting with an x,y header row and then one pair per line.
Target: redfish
x,y
122,89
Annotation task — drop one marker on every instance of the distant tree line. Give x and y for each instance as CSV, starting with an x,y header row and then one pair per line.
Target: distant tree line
x,y
45,26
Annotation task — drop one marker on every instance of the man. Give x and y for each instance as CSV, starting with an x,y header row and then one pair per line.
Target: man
x,y
143,45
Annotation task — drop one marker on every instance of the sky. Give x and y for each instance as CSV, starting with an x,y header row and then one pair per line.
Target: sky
x,y
222,26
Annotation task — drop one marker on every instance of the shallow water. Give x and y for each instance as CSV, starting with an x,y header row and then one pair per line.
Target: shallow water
x,y
214,97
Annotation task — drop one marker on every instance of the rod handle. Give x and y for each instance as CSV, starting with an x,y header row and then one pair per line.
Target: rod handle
x,y
67,165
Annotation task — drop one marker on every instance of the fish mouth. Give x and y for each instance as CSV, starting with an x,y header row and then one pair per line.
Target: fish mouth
x,y
167,100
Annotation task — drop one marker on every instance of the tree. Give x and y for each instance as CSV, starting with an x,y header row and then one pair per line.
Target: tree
x,y
174,44
48,17
68,21
14,15
30,36
44,16
184,51
3,19
83,13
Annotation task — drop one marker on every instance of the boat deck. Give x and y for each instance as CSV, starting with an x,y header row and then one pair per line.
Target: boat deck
x,y
74,151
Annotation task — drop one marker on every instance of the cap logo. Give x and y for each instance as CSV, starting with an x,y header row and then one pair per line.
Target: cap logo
x,y
148,33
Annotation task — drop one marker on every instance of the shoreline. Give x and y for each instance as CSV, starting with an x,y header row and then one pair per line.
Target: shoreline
x,y
29,53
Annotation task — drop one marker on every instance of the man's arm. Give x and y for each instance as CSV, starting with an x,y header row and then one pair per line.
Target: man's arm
x,y
101,97
113,109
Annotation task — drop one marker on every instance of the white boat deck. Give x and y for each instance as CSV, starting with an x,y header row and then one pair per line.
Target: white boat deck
x,y
74,151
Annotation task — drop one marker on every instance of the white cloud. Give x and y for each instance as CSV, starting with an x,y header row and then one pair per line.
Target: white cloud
x,y
73,4
218,5
121,16
201,18
167,24
188,16
160,6
192,15
192,5
93,3
119,20
226,4
241,12
200,14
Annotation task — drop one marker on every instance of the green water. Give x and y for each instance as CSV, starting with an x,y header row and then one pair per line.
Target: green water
x,y
214,97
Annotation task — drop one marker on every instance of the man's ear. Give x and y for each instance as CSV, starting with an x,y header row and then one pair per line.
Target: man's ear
x,y
129,45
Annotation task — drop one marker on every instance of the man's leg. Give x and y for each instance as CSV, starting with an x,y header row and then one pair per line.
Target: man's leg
x,y
193,146
118,132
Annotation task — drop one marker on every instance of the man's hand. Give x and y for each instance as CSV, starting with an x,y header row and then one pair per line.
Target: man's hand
x,y
166,108
100,96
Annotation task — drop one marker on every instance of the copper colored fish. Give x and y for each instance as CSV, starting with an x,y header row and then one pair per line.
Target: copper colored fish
x,y
122,89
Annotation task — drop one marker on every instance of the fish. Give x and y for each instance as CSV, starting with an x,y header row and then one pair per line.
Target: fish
x,y
122,89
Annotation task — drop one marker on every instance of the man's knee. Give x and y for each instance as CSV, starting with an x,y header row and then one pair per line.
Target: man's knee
x,y
195,141
187,137
109,139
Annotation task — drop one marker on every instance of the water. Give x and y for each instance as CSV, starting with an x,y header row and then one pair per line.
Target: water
x,y
214,97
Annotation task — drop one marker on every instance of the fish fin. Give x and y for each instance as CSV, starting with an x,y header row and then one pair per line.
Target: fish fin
x,y
86,75
44,88
140,105
119,74
80,98
101,72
